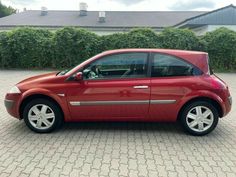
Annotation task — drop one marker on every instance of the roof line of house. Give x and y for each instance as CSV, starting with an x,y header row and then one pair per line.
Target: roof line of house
x,y
210,12
124,11
57,26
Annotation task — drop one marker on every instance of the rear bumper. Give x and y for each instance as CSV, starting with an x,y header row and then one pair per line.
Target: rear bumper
x,y
230,100
227,104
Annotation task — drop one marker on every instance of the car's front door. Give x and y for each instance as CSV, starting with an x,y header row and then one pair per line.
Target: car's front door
x,y
171,80
114,87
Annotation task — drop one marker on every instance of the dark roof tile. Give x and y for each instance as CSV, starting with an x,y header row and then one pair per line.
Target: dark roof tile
x,y
156,19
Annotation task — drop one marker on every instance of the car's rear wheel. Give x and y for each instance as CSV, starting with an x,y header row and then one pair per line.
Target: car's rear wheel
x,y
42,115
199,118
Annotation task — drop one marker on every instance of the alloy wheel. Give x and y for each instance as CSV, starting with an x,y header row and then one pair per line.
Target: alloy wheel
x,y
41,116
200,118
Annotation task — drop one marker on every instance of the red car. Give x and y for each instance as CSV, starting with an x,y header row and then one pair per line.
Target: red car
x,y
125,85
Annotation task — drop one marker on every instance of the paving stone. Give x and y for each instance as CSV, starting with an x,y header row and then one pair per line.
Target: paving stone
x,y
114,149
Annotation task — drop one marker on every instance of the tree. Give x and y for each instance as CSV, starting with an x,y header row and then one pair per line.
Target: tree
x,y
5,11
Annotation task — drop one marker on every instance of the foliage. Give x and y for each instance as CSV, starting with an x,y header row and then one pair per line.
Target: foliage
x,y
143,38
73,46
221,46
5,11
25,48
5,61
67,47
136,38
114,41
183,39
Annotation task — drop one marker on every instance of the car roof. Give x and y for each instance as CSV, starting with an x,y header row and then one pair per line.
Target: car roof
x,y
167,51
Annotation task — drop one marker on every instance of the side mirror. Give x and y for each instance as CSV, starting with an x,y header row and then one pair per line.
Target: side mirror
x,y
79,76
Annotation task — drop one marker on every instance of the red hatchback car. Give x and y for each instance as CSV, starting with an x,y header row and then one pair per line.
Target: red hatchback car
x,y
125,85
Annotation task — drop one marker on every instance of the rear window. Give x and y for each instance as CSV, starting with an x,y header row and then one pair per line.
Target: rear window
x,y
170,66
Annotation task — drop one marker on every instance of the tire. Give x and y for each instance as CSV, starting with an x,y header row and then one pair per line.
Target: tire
x,y
42,115
199,118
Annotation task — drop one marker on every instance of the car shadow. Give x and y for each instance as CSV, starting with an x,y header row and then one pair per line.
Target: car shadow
x,y
17,127
126,128
123,126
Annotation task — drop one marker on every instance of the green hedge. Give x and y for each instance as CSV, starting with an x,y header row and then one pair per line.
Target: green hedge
x,y
180,39
39,48
26,48
72,46
221,46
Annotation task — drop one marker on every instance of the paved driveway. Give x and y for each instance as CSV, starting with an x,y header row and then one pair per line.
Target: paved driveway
x,y
114,149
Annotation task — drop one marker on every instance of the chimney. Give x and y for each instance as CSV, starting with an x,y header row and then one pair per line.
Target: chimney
x,y
102,16
83,9
44,11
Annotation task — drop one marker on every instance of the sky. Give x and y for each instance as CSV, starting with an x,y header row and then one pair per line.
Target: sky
x,y
120,5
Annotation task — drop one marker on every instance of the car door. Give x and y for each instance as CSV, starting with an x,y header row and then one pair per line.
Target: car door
x,y
171,80
115,87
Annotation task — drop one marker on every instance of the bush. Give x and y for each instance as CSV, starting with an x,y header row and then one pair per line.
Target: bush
x,y
221,46
73,46
25,48
67,47
5,54
114,41
136,38
143,38
185,39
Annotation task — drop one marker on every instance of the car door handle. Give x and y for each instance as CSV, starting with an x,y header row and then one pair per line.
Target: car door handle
x,y
141,87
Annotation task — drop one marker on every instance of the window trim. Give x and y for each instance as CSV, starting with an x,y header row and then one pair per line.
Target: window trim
x,y
124,78
177,57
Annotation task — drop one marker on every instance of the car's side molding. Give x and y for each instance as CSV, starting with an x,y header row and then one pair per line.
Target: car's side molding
x,y
162,101
93,103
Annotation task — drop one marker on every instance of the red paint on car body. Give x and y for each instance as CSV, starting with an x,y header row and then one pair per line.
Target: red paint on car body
x,y
181,89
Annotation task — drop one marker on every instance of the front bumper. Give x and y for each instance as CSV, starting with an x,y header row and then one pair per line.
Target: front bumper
x,y
11,103
8,103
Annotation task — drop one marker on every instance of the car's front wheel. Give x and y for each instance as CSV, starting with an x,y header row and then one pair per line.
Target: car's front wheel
x,y
199,118
42,115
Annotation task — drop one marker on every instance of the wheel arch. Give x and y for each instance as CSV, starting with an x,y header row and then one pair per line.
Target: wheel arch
x,y
207,99
35,96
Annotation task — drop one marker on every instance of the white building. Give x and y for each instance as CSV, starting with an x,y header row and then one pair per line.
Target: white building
x,y
223,17
121,21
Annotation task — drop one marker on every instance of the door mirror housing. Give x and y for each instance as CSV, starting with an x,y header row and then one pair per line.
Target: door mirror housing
x,y
79,76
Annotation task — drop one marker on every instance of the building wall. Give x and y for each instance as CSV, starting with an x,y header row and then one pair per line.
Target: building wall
x,y
98,31
214,27
208,28
106,31
200,30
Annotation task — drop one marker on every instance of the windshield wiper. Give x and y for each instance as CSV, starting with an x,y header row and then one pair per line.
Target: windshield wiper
x,y
62,72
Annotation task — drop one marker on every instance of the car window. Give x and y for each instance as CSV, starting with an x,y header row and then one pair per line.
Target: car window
x,y
125,65
167,66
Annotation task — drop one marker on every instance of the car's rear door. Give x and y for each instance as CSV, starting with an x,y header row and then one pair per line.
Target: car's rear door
x,y
120,92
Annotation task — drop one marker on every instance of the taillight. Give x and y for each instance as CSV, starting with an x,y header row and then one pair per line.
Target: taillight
x,y
230,100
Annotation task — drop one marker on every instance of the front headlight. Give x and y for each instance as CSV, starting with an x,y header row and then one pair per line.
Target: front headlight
x,y
14,89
